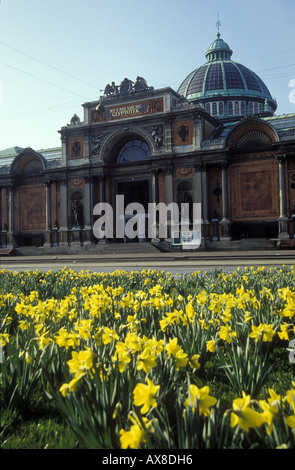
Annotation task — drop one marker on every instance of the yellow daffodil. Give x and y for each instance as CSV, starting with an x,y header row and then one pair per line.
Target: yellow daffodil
x,y
172,347
108,335
66,339
263,331
200,397
211,345
244,416
226,333
181,359
270,409
193,362
145,395
147,360
81,361
290,397
137,433
4,338
290,420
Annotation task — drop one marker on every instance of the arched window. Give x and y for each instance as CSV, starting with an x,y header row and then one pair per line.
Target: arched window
x,y
207,108
133,151
32,167
255,108
250,107
214,109
230,108
220,108
236,107
243,108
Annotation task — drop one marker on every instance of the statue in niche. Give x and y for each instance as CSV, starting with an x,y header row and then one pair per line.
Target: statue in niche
x,y
76,148
217,191
183,133
78,214
187,199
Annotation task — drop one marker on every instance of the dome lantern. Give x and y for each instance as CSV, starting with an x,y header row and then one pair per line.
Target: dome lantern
x,y
218,50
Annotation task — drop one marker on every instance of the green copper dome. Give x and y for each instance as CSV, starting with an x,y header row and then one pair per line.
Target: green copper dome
x,y
223,79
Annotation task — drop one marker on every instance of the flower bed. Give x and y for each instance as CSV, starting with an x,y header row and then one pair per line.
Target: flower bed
x,y
148,360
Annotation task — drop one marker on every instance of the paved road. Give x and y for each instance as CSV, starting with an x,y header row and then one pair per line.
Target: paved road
x,y
180,263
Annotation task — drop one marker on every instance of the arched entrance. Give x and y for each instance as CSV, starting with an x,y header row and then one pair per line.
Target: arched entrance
x,y
132,181
254,204
29,198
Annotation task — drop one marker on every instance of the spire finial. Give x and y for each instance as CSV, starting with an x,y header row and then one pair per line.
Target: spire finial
x,y
218,24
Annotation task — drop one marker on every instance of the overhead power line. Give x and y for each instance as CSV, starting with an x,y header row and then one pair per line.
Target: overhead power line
x,y
41,79
47,65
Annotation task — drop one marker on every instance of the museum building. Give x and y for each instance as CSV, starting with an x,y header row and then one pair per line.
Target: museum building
x,y
215,141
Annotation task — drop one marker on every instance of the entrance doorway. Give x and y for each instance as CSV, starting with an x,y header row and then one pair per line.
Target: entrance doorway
x,y
135,192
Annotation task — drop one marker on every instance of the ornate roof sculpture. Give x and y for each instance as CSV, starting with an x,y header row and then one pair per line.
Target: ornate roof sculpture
x,y
126,87
226,88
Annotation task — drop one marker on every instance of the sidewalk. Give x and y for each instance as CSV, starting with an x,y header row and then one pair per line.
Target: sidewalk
x,y
129,255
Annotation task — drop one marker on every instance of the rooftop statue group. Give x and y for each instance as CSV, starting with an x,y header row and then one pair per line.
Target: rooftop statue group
x,y
127,87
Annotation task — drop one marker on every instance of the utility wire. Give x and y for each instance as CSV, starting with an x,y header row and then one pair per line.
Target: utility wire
x,y
41,79
47,65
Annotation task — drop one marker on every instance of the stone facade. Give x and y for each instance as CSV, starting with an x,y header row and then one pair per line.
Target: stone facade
x,y
152,146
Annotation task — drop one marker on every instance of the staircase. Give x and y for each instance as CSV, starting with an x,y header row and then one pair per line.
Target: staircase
x,y
128,248
95,249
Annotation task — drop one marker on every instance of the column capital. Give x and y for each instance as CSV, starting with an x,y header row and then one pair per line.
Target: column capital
x,y
198,167
155,171
224,165
281,157
168,170
47,182
198,115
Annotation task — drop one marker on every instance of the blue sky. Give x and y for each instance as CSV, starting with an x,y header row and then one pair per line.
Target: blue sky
x,y
57,54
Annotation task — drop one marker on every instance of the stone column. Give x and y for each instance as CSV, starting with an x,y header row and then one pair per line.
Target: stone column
x,y
4,224
198,130
225,222
155,185
63,230
102,198
199,199
87,210
205,222
63,139
153,222
86,146
168,196
101,188
11,242
47,233
283,219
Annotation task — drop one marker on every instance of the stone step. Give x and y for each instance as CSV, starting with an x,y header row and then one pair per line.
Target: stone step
x,y
109,248
99,248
